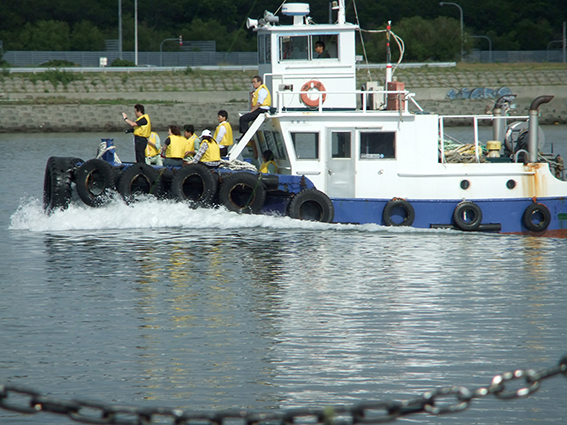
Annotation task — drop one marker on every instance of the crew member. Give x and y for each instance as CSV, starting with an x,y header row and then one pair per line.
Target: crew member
x,y
192,140
261,102
209,151
153,149
174,147
268,166
223,133
142,130
320,50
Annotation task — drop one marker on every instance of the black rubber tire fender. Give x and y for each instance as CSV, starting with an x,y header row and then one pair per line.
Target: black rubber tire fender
x,y
540,213
195,183
394,206
312,205
467,216
138,178
242,192
57,183
95,179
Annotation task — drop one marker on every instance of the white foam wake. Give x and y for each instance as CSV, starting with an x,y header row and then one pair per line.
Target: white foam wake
x,y
151,213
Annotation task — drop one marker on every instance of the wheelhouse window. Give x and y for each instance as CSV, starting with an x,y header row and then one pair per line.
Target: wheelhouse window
x,y
307,47
273,141
294,47
264,48
340,145
306,145
377,145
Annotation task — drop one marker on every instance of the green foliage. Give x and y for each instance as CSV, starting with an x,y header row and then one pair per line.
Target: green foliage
x,y
122,62
425,40
71,25
86,37
58,63
44,35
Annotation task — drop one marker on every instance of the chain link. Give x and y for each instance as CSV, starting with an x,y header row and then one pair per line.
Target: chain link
x,y
28,401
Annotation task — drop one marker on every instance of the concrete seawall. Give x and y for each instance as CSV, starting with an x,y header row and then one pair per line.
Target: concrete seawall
x,y
94,102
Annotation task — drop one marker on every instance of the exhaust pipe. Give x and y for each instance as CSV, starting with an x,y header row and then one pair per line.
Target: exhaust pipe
x,y
533,124
499,112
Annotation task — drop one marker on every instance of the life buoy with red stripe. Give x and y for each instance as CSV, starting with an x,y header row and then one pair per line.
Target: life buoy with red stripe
x,y
310,85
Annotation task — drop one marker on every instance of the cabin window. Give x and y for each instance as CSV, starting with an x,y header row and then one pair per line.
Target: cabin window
x,y
329,43
274,142
306,145
377,145
340,145
302,47
294,47
264,48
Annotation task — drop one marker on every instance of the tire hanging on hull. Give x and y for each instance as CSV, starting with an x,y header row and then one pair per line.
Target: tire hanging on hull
x,y
137,179
195,183
95,178
398,207
313,205
467,216
242,192
59,174
536,217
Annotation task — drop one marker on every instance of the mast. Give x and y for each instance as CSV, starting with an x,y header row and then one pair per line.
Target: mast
x,y
388,54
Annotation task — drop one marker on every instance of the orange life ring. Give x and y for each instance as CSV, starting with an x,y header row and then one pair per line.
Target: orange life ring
x,y
313,84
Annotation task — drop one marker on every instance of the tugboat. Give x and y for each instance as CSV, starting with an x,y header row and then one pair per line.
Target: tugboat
x,y
350,156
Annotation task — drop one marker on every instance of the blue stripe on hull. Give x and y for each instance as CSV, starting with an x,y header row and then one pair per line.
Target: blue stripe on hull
x,y
433,213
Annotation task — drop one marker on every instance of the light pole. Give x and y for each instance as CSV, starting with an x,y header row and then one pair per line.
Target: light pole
x,y
489,45
136,32
120,29
180,39
441,3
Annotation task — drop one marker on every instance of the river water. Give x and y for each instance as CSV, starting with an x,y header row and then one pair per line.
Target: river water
x,y
158,305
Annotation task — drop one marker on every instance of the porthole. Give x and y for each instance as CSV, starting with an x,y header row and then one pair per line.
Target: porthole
x,y
465,184
511,184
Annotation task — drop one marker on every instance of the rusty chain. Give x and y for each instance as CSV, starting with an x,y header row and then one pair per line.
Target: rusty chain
x,y
439,401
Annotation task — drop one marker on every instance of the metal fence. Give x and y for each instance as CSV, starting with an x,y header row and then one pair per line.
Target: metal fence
x,y
207,58
515,56
92,59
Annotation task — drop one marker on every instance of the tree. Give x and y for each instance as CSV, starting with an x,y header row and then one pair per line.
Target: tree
x,y
86,37
44,35
425,40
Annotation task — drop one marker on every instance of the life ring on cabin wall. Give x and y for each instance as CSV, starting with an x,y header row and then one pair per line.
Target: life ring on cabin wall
x,y
309,85
467,216
536,217
398,212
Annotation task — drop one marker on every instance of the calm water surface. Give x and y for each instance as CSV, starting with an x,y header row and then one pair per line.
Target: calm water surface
x,y
158,305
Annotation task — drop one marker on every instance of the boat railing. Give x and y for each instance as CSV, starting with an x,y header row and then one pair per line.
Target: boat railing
x,y
475,121
402,98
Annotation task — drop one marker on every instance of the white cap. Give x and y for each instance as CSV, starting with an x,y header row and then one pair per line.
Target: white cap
x,y
206,133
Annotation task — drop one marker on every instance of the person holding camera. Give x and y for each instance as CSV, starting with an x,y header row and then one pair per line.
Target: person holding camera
x,y
142,129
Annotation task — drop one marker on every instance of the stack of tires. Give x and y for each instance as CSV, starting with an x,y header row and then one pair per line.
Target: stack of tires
x,y
241,191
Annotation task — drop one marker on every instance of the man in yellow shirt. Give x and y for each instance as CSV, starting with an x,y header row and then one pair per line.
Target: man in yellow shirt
x,y
223,133
142,130
261,102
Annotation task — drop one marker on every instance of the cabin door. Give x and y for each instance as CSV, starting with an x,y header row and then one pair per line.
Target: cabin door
x,y
340,163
